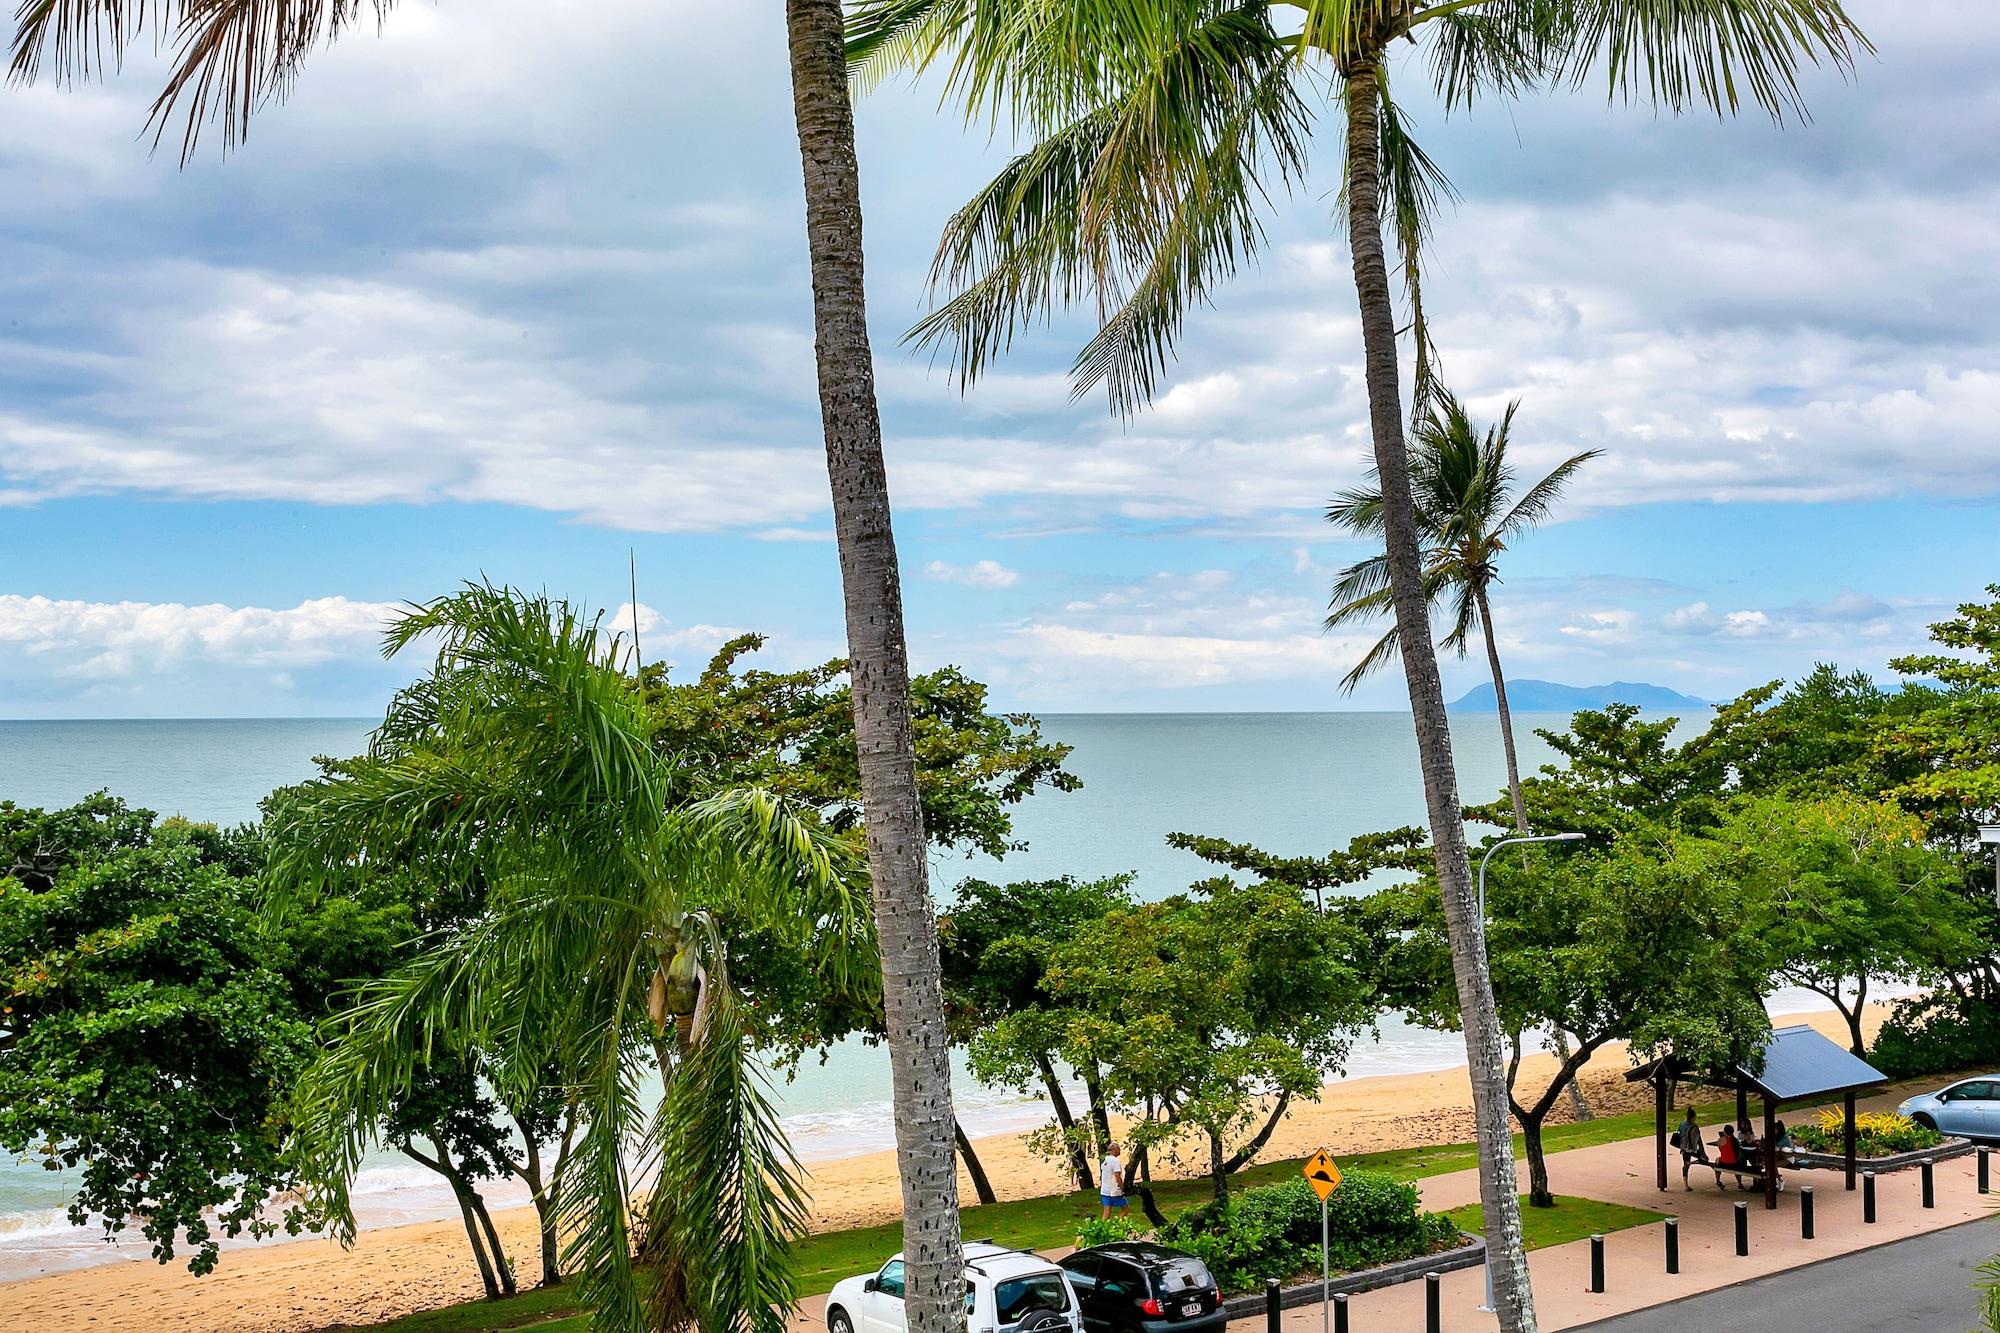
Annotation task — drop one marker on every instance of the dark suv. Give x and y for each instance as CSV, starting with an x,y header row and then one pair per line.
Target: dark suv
x,y
1133,1287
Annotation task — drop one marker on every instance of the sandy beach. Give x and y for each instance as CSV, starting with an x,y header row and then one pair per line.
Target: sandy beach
x,y
315,1284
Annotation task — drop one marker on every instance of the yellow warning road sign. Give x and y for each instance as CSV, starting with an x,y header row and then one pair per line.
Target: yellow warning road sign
x,y
1322,1174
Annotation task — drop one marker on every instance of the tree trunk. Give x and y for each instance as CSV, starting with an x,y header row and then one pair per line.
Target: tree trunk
x,y
1506,714
506,1269
1577,1105
1538,1165
980,1185
1143,1167
878,666
1853,1017
1079,1160
1507,1260
1218,1166
1248,1152
462,1192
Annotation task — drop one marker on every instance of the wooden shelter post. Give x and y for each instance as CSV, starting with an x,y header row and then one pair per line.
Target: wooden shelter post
x,y
1661,1097
1847,1138
1770,1154
1742,1108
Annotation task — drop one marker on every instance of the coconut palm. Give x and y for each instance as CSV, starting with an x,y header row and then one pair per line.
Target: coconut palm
x,y
524,762
1463,489
235,55
1161,131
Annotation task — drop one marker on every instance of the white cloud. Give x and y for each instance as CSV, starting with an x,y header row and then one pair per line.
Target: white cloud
x,y
95,640
979,574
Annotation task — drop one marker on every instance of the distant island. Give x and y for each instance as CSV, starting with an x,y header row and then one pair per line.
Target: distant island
x,y
1545,696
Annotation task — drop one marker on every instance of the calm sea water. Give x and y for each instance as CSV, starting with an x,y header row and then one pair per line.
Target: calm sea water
x,y
1289,783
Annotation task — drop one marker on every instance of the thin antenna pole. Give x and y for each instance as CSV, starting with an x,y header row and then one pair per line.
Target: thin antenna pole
x,y
632,562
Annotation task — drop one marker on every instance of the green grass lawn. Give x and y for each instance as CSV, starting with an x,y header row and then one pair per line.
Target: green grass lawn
x,y
1571,1219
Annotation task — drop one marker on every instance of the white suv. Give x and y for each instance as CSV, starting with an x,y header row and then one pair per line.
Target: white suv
x,y
1005,1291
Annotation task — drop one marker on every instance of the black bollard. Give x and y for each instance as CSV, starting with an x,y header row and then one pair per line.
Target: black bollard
x,y
1806,1213
1867,1196
1340,1313
1985,1176
1433,1316
1930,1182
1673,1245
1597,1265
1272,1305
1743,1230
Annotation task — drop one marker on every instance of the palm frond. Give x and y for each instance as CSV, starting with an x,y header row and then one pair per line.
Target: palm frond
x,y
1493,50
1540,499
1141,201
1360,592
888,36
1711,53
729,1204
1358,511
1377,657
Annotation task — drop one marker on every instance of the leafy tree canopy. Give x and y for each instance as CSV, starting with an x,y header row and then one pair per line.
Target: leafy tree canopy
x,y
792,732
151,1020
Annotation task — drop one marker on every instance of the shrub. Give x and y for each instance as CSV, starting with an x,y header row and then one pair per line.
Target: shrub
x,y
1108,1230
1273,1231
1876,1134
1937,1034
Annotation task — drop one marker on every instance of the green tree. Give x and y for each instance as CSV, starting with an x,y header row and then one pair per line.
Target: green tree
x,y
1644,942
1365,855
525,761
152,1022
1209,1013
1467,516
996,943
1843,891
1947,749
1159,131
792,732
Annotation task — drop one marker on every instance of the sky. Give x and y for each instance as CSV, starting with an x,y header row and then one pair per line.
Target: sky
x,y
518,290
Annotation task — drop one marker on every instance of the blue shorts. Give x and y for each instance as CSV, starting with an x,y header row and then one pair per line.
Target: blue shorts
x,y
1112,1200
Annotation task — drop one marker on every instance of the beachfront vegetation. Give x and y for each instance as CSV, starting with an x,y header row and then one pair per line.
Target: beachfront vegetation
x,y
523,764
153,1020
1876,1133
1462,488
1159,132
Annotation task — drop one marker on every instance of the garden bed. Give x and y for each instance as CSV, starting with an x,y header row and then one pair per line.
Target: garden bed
x,y
1833,1161
1470,1252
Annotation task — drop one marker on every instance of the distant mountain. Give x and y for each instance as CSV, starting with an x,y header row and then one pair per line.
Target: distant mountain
x,y
1544,696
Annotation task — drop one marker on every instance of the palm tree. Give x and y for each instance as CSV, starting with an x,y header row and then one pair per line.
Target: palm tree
x,y
1462,487
525,762
234,55
1161,127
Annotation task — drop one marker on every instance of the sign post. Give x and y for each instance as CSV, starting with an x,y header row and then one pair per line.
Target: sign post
x,y
1324,1177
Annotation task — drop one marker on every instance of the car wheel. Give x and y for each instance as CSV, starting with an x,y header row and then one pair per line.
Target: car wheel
x,y
1924,1121
837,1321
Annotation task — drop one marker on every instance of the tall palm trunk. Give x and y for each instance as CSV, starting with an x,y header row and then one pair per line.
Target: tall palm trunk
x,y
878,661
1515,1300
1506,714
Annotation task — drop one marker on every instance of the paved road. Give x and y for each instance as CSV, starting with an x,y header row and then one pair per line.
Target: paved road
x,y
1923,1285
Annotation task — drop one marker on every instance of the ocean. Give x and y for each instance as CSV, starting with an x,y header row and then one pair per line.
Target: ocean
x,y
1289,783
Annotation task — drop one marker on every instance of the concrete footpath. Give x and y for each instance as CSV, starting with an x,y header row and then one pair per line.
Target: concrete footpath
x,y
1636,1276
1922,1285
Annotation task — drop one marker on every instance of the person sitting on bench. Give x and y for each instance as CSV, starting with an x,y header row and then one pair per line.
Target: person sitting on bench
x,y
1729,1157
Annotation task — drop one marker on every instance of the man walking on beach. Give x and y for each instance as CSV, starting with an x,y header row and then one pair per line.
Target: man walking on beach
x,y
1111,1182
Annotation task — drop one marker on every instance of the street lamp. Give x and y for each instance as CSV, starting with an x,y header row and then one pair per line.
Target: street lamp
x,y
1515,842
1546,837
1989,836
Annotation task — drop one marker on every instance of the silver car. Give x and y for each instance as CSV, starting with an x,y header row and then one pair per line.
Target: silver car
x,y
1969,1109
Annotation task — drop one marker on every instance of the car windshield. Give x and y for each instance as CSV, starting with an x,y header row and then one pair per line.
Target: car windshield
x,y
1016,1296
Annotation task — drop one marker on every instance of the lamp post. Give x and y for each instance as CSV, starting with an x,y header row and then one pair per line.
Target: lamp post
x,y
1989,836
1517,841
